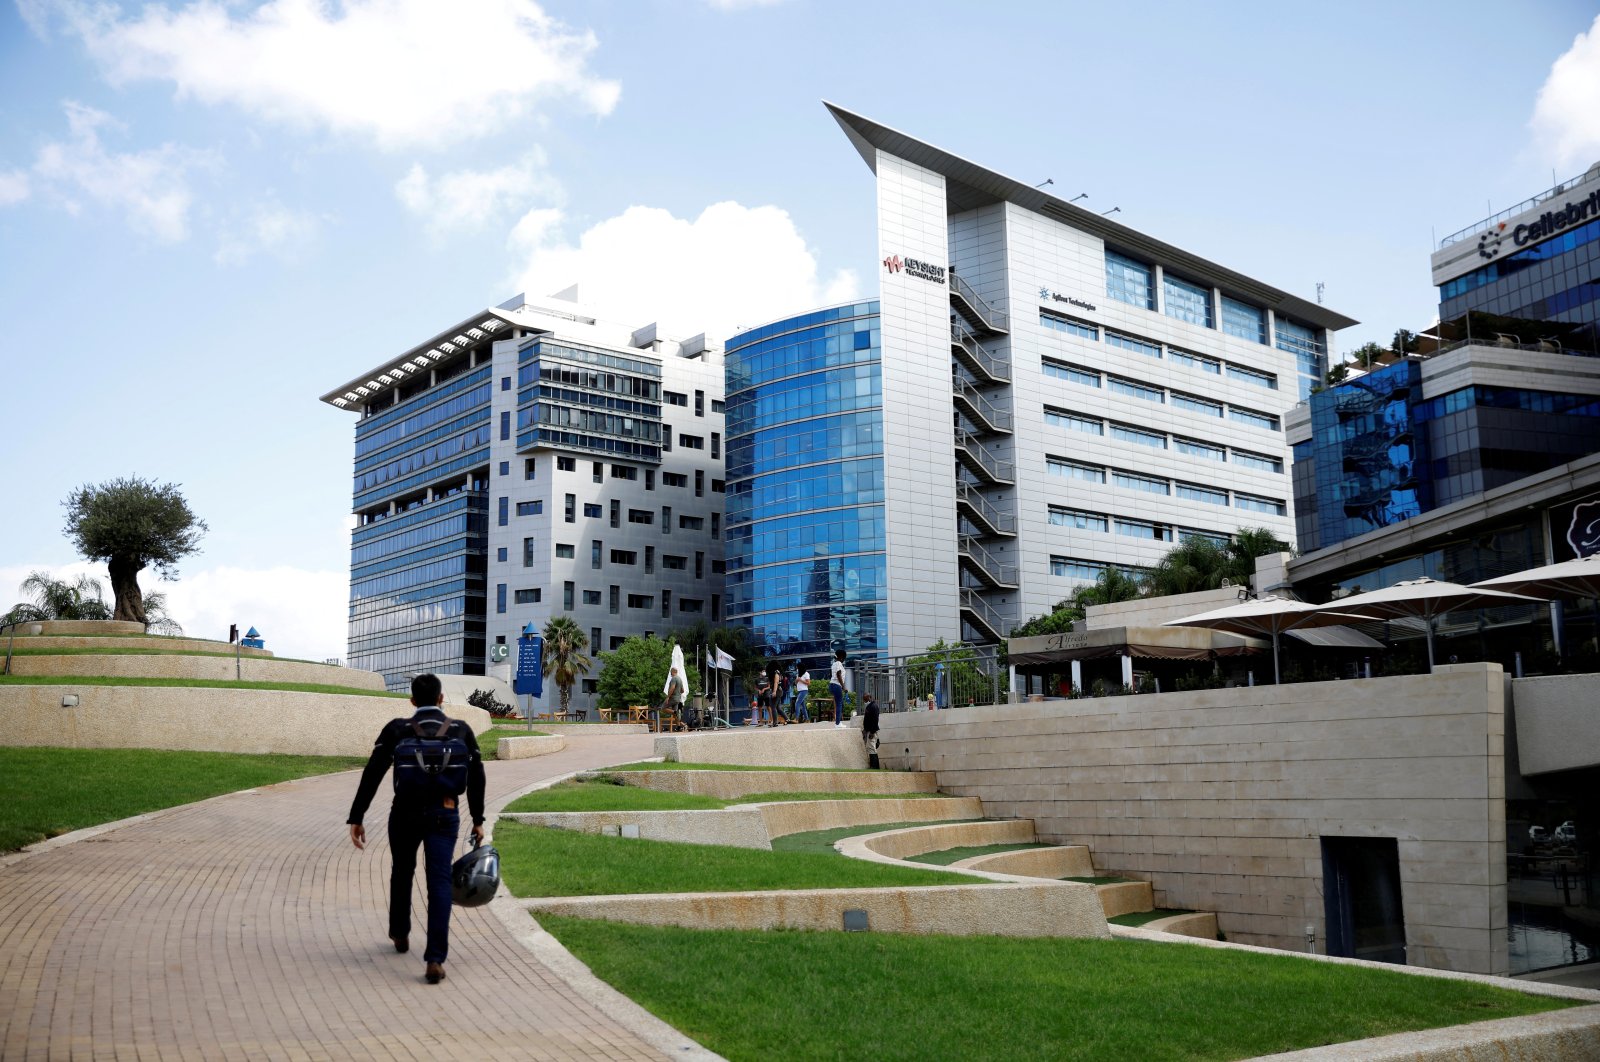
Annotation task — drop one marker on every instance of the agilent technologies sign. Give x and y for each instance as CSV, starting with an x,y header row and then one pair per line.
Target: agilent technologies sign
x,y
914,268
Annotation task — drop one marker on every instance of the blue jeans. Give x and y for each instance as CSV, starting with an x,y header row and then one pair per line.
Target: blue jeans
x,y
837,691
436,831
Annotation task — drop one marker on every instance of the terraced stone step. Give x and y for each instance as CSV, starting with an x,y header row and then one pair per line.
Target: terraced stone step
x,y
730,785
122,644
919,840
182,666
1063,861
1125,897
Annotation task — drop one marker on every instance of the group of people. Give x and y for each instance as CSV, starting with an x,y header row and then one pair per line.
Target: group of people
x,y
784,696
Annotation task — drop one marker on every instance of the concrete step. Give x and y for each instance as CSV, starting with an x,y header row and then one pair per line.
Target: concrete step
x,y
1125,897
1199,924
1062,861
919,840
182,666
116,644
730,785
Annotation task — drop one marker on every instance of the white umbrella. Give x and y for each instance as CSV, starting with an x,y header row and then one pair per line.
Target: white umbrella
x,y
1424,599
1572,578
1264,615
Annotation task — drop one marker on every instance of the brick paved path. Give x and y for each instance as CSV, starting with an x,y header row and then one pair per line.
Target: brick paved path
x,y
249,927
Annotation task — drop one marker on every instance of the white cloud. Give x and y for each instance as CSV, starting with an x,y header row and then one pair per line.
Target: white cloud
x,y
1565,118
267,227
150,187
404,72
731,266
14,187
468,200
302,614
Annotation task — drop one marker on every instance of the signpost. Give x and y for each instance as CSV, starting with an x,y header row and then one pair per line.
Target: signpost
x,y
529,679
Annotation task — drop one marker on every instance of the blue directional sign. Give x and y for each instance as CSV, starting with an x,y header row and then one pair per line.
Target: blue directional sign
x,y
253,640
530,666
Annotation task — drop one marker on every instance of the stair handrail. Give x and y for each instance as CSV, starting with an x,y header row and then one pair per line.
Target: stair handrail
x,y
973,496
992,317
991,363
995,417
1000,470
978,553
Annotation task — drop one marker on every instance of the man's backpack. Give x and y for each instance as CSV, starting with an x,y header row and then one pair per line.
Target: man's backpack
x,y
429,762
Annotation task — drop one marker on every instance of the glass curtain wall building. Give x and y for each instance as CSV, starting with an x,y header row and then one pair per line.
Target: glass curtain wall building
x,y
805,502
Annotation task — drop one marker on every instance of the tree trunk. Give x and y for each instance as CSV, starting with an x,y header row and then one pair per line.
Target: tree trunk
x,y
125,588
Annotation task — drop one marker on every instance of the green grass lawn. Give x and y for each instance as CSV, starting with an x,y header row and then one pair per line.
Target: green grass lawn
x,y
823,840
1139,918
674,766
153,651
599,794
761,995
952,855
540,862
204,684
45,792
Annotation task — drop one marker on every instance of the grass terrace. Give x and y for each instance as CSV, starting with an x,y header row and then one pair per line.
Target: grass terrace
x,y
203,684
601,794
675,766
955,855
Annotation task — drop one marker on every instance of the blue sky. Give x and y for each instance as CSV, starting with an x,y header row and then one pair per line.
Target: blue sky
x,y
213,213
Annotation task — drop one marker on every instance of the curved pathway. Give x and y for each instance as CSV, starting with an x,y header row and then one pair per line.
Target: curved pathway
x,y
249,927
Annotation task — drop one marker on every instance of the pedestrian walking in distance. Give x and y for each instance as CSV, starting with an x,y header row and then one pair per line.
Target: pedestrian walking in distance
x,y
435,760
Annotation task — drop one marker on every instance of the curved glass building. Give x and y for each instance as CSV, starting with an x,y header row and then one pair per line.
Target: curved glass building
x,y
805,491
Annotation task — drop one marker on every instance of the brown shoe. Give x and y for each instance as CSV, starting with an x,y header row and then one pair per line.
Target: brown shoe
x,y
401,944
435,973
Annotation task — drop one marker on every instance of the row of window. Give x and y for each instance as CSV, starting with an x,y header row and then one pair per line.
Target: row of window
x,y
1100,474
1088,571
1086,377
1133,282
1082,520
596,511
1510,264
691,606
1085,330
1157,440
678,398
421,479
444,402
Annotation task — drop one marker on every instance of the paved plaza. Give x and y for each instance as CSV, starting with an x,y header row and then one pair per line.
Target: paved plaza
x,y
248,927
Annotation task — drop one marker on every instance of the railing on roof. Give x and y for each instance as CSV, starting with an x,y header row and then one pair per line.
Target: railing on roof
x,y
1483,226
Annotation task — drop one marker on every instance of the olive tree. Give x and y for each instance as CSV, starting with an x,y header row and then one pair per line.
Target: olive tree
x,y
132,524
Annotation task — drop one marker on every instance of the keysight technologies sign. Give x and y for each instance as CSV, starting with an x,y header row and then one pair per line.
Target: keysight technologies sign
x,y
914,268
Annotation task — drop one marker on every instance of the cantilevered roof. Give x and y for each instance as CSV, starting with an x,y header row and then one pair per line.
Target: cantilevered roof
x,y
968,186
420,358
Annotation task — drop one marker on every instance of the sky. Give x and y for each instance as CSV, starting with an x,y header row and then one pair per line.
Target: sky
x,y
213,213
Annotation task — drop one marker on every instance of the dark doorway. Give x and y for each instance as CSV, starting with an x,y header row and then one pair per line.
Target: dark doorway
x,y
1361,895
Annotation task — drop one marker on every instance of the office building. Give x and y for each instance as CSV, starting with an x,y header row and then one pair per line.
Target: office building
x,y
1037,394
532,460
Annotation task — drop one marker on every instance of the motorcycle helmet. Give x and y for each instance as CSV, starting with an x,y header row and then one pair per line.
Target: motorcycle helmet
x,y
475,877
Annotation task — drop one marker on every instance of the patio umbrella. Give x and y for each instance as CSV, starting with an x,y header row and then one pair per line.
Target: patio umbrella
x,y
1264,615
1424,599
1572,578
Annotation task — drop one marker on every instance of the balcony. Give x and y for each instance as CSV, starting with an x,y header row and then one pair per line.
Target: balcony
x,y
988,368
983,513
981,462
979,408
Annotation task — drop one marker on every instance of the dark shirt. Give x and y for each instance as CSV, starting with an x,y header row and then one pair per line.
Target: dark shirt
x,y
869,718
382,759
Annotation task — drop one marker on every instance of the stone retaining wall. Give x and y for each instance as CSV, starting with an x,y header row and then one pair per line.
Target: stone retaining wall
x,y
1008,910
817,745
151,665
806,816
209,720
1062,861
730,785
915,841
79,627
522,748
123,644
1201,925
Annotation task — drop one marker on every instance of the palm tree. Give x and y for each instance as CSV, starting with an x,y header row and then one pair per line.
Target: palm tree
x,y
564,643
1194,564
156,619
1247,545
81,599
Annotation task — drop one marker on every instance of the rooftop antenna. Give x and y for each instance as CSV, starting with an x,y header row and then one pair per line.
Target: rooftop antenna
x,y
1113,210
1080,195
1320,287
1044,182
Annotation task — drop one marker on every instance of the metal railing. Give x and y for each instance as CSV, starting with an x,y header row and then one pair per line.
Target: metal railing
x,y
977,356
981,614
1483,226
981,462
986,565
980,409
976,308
969,675
982,511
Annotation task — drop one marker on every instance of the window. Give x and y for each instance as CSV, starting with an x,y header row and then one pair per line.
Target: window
x,y
627,472
1216,538
572,508
1138,436
1243,320
616,600
505,468
716,405
1076,519
624,556
716,444
1252,418
597,551
1070,325
1071,373
599,471
499,597
674,398
530,468
691,523
1073,422
699,565
719,486
567,590
593,511
528,597
1252,377
666,437
1134,481
699,483
649,560
591,686
616,513
1194,492
505,425
666,519
1259,462
641,516
591,597
673,563
1195,404
699,403
1073,470
691,604
505,383
565,551
566,464
641,601
505,512
1130,281
530,508
1133,389
617,640
529,551
1068,568
716,607
649,479
674,479
1186,301
692,442
1258,505
716,525
1144,529
666,604
1195,448
1138,346
1194,361
500,554
594,637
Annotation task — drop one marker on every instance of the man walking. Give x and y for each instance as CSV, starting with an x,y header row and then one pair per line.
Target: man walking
x,y
435,759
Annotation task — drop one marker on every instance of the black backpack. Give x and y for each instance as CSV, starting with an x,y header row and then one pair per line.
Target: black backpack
x,y
429,762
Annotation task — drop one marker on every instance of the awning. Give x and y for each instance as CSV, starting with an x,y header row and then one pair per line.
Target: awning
x,y
1335,638
1161,643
